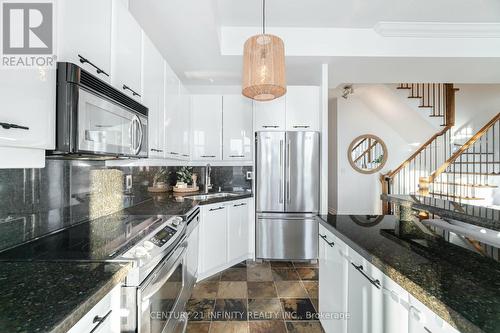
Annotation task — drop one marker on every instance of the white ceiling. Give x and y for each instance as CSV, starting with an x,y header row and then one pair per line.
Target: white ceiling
x,y
188,33
354,13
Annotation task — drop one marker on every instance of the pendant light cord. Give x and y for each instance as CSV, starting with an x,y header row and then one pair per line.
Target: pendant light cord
x,y
263,17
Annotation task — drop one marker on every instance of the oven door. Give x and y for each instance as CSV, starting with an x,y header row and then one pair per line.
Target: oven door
x,y
108,128
159,296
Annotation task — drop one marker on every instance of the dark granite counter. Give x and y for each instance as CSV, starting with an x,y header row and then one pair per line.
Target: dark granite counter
x,y
459,285
52,297
481,216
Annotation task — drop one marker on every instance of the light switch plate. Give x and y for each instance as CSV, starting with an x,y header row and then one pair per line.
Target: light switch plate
x,y
128,182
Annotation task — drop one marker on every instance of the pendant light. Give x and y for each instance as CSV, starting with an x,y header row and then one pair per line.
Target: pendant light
x,y
264,65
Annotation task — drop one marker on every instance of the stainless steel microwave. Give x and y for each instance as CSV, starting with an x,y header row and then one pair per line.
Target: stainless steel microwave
x,y
95,120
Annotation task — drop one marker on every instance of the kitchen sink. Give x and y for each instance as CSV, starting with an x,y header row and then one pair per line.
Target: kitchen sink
x,y
204,197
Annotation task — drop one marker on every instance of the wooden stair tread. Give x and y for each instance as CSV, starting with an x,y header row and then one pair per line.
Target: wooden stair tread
x,y
476,162
473,173
468,185
454,196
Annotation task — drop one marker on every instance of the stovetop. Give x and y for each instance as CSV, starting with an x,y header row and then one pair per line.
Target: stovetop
x,y
105,238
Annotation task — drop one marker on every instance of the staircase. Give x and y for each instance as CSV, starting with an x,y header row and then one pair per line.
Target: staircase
x,y
472,172
439,100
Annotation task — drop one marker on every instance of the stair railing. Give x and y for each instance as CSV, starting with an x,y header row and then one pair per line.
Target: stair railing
x,y
469,169
429,156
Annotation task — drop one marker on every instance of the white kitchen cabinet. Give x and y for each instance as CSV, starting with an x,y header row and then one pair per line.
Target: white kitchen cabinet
x,y
237,128
237,230
365,297
107,310
173,125
126,51
302,108
333,268
28,101
153,93
424,320
395,306
213,244
206,139
84,35
185,123
271,115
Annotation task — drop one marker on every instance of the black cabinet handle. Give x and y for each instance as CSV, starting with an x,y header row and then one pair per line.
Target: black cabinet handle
x,y
206,156
332,244
236,155
100,320
239,205
185,155
214,209
270,126
173,153
359,268
125,87
12,126
86,61
157,150
301,126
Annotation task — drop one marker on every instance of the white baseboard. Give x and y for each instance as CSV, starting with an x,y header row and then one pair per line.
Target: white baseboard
x,y
213,271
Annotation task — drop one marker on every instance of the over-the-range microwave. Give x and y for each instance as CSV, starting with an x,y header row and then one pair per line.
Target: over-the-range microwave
x,y
95,120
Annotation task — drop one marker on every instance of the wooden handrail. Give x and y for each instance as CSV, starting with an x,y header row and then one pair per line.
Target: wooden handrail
x,y
391,174
463,148
366,151
359,144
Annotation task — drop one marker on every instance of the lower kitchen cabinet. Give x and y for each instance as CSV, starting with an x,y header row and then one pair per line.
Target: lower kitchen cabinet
x,y
333,266
423,320
193,251
224,236
104,317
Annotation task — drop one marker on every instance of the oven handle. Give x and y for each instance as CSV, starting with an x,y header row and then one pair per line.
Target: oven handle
x,y
150,287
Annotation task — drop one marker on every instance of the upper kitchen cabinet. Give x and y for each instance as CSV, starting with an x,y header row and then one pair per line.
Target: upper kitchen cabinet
x,y
302,108
237,128
126,51
173,126
270,116
153,94
185,123
27,116
206,131
84,35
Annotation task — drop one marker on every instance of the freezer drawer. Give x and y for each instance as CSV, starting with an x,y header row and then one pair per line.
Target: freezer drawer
x,y
287,237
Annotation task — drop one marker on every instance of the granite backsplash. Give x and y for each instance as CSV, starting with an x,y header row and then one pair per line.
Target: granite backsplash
x,y
35,202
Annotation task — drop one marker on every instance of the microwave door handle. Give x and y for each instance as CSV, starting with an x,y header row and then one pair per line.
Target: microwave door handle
x,y
140,136
132,134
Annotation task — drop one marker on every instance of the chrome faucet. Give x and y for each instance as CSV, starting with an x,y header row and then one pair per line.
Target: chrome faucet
x,y
208,171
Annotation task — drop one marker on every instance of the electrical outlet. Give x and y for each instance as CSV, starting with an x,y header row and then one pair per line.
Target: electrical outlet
x,y
128,182
249,175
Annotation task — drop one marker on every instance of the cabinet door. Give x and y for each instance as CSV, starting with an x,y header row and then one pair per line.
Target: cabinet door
x,y
365,300
214,238
395,307
126,52
192,253
332,282
206,112
237,128
424,320
302,108
85,32
153,93
173,119
270,116
238,230
185,124
28,98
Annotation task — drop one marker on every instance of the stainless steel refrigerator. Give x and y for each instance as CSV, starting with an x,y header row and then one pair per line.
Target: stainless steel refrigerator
x,y
287,195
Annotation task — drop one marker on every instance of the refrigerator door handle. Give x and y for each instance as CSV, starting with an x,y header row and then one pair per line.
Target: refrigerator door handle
x,y
281,173
288,172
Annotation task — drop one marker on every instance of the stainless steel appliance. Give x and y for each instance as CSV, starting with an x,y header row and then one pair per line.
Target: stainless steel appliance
x,y
95,120
287,195
158,287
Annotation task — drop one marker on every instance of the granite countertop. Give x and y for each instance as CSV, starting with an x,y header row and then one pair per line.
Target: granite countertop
x,y
52,297
485,217
459,285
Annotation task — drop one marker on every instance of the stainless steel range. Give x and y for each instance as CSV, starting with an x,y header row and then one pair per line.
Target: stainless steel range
x,y
160,281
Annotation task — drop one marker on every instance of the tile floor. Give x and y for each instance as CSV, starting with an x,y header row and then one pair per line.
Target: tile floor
x,y
252,297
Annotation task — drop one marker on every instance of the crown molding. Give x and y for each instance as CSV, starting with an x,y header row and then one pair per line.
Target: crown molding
x,y
438,30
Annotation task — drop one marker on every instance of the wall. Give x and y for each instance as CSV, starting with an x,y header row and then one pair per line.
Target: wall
x,y
332,157
371,111
35,202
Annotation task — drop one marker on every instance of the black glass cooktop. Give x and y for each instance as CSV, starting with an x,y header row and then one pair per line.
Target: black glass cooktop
x,y
102,239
